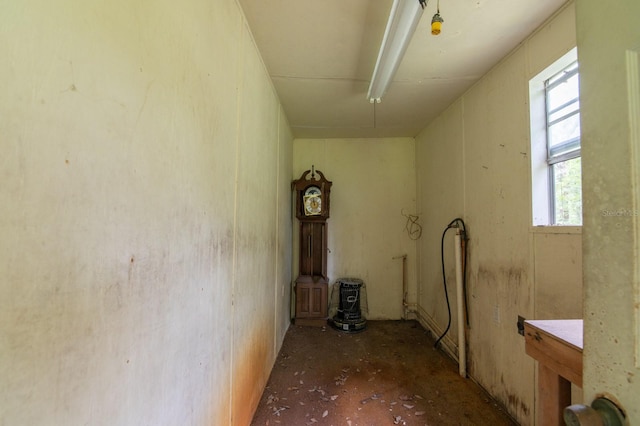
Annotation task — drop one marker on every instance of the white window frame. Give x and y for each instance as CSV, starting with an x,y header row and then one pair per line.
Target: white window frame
x,y
541,175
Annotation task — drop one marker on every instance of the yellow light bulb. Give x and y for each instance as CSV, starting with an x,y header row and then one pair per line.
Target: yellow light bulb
x,y
435,28
436,24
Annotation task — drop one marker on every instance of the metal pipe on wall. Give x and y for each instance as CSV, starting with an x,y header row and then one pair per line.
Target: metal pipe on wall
x,y
405,303
462,351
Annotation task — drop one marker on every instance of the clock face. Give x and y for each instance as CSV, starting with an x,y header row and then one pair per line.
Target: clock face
x,y
312,201
312,190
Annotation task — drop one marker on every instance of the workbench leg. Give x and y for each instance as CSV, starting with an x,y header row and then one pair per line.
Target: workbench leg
x,y
554,393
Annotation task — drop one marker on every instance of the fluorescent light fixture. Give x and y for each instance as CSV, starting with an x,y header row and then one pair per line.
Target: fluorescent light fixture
x,y
403,20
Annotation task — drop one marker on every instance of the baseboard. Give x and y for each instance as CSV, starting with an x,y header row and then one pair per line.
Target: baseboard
x,y
447,344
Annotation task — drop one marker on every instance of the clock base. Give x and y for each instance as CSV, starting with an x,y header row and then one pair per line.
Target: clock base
x,y
311,302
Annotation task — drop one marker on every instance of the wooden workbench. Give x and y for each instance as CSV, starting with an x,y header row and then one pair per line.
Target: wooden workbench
x,y
557,346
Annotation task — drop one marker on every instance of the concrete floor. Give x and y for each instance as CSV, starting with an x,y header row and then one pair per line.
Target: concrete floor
x,y
388,374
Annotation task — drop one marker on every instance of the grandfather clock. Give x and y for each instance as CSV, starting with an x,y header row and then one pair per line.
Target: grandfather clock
x,y
312,210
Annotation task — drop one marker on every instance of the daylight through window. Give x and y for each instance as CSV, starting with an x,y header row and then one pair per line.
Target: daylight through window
x,y
563,146
556,167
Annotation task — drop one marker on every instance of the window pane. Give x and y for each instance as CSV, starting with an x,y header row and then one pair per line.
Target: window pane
x,y
567,188
563,92
564,130
564,110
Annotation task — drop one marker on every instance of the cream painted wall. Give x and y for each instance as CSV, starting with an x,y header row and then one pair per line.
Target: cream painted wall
x,y
144,211
609,63
557,263
473,162
284,232
373,185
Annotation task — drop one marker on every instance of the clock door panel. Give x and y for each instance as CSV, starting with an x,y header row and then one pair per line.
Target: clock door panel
x,y
313,243
311,300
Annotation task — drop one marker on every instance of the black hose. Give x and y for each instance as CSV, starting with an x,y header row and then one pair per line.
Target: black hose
x,y
444,276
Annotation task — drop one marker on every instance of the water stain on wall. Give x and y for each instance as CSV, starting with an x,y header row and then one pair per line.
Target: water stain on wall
x,y
515,404
250,376
498,293
509,282
220,401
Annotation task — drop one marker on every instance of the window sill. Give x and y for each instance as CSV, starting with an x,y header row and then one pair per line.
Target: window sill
x,y
553,229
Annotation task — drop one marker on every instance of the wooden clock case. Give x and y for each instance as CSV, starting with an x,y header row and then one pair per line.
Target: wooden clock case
x,y
311,286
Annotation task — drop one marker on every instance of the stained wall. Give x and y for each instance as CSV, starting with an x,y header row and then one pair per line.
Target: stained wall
x,y
144,214
473,162
372,198
610,74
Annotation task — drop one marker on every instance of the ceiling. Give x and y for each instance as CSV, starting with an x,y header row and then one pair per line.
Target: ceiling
x,y
320,55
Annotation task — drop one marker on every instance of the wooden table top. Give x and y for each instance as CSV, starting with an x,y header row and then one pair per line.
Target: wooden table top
x,y
569,331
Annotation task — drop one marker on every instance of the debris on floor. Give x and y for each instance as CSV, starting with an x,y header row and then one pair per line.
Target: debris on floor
x,y
388,374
